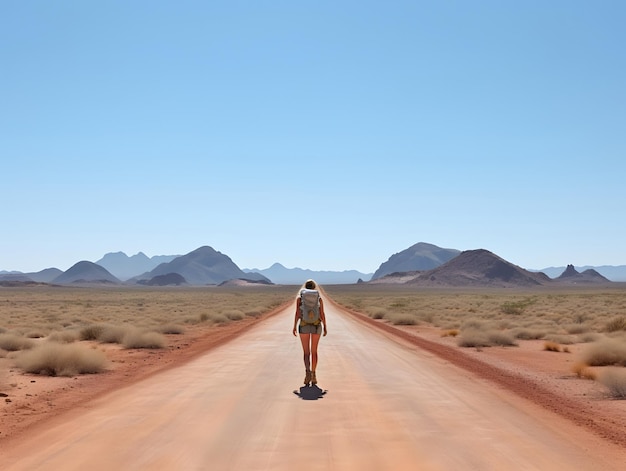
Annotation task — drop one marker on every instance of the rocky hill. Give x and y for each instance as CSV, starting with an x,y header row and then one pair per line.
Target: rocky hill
x,y
573,276
85,272
610,272
203,266
419,257
472,268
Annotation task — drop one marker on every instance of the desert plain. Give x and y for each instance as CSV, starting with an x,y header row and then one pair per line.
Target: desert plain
x,y
211,378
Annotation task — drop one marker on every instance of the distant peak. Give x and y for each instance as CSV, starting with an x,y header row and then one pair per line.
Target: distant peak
x,y
569,271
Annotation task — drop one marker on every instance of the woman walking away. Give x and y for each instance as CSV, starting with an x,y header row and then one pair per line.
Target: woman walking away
x,y
310,313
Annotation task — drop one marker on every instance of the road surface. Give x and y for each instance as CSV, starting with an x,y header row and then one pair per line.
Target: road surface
x,y
380,405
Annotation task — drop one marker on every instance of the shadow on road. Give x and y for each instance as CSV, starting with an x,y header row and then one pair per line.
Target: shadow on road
x,y
310,393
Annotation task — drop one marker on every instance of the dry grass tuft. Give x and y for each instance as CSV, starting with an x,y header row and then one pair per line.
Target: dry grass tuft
x,y
377,312
583,371
235,315
14,343
55,359
65,336
486,338
615,380
450,333
402,319
549,346
92,332
606,352
113,333
524,333
616,324
171,329
473,338
141,339
501,338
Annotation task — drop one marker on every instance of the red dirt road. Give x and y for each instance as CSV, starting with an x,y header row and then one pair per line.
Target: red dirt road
x,y
383,404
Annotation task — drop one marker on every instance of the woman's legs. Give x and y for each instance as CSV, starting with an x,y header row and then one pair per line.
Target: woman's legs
x,y
306,346
315,340
309,346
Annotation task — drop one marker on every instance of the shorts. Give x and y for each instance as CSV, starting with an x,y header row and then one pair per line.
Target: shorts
x,y
310,329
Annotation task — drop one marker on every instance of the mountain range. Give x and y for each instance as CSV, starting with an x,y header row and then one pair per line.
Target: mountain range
x,y
421,263
289,276
124,267
481,268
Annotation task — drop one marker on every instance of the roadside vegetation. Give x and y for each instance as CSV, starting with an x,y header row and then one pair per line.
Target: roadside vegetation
x,y
64,331
593,318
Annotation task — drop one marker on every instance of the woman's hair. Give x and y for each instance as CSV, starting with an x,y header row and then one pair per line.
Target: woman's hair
x,y
308,284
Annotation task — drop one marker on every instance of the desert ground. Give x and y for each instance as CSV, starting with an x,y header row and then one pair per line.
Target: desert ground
x,y
429,380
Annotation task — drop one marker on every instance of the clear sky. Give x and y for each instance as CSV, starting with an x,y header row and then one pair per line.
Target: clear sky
x,y
325,135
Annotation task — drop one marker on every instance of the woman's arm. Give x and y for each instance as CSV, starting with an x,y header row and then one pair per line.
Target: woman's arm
x,y
323,317
296,317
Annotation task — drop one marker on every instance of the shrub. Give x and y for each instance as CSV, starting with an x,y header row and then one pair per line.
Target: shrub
x,y
65,336
616,324
473,338
91,332
500,338
13,343
171,329
589,337
615,380
576,328
523,333
113,333
141,339
235,315
35,334
606,352
377,312
472,324
562,339
402,319
516,308
55,359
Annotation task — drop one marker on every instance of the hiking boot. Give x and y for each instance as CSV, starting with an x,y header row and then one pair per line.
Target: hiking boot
x,y
313,378
307,378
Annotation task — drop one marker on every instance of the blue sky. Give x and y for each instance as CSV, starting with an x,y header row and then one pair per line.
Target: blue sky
x,y
323,135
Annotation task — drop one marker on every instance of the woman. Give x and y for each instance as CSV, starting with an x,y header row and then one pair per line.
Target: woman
x,y
312,323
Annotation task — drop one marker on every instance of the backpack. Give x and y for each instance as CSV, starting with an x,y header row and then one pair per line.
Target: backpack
x,y
310,307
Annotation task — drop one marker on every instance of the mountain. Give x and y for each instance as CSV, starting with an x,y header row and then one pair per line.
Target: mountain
x,y
571,275
610,272
296,276
124,267
473,268
165,280
85,272
421,256
43,276
203,266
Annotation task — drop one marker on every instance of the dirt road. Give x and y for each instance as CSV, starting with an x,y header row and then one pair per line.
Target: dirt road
x,y
381,405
